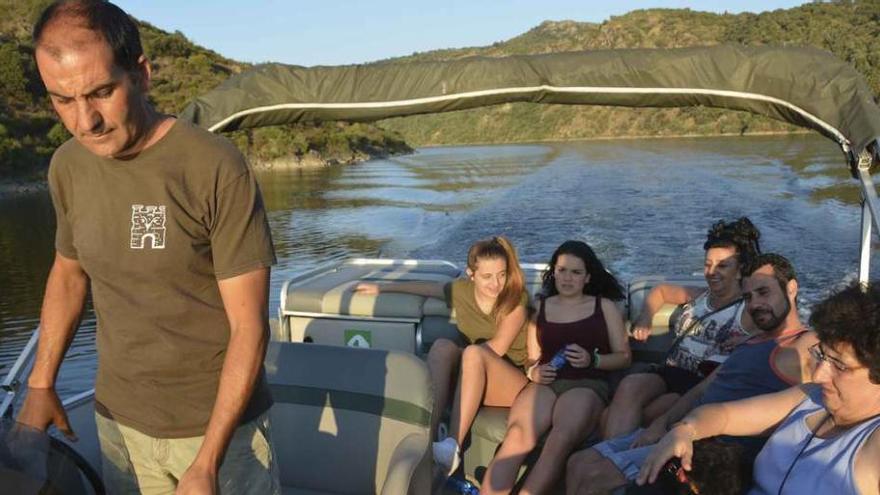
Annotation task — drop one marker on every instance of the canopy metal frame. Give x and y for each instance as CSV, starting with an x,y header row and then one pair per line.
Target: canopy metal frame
x,y
870,207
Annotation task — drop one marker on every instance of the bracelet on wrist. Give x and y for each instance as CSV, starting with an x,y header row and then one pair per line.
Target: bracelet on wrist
x,y
594,359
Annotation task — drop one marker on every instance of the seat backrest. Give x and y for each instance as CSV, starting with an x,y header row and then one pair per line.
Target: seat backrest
x,y
331,293
654,349
340,413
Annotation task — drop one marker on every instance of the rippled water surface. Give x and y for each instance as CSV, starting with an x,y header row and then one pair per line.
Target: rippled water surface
x,y
643,204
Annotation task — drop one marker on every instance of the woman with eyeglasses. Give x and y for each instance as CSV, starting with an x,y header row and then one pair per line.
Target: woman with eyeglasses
x,y
827,434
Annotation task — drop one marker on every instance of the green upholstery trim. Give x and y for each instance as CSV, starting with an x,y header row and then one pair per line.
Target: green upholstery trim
x,y
353,401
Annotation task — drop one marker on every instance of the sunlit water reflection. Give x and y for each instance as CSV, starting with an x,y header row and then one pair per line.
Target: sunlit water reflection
x,y
644,205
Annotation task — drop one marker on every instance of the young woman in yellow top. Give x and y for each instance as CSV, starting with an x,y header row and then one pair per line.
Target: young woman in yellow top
x,y
491,312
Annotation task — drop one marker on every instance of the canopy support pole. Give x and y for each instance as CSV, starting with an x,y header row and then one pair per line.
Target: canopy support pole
x,y
870,211
865,245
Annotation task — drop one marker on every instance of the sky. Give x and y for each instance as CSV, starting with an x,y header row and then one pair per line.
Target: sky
x,y
335,32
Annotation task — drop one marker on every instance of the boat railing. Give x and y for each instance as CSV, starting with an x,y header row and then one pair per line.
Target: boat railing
x,y
21,367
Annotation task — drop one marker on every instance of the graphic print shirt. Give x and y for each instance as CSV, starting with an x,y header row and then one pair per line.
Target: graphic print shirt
x,y
711,337
155,234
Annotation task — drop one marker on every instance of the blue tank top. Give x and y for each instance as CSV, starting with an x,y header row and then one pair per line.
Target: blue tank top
x,y
825,466
747,372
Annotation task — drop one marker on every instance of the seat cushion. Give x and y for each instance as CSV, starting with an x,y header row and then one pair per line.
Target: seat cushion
x,y
339,408
331,291
491,423
313,444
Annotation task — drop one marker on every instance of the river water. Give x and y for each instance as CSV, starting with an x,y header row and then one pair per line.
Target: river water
x,y
644,205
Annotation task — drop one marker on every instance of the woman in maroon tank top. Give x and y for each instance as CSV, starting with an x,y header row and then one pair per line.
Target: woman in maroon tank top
x,y
578,319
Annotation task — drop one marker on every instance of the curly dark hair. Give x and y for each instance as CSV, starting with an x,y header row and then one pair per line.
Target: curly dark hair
x,y
852,316
718,467
602,283
783,270
740,234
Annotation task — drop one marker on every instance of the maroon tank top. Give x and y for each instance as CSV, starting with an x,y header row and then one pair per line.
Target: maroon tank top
x,y
589,333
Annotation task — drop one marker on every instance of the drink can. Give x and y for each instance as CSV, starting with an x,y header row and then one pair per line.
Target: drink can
x,y
558,360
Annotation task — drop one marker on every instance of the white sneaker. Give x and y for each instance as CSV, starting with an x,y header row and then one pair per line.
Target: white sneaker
x,y
447,455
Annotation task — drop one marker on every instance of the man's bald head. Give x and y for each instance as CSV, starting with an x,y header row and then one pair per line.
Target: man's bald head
x,y
81,22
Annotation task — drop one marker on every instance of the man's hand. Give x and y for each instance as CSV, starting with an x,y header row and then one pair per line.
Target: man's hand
x,y
43,408
679,442
652,434
197,481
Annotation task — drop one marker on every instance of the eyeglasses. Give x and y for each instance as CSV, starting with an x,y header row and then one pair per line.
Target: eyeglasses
x,y
819,355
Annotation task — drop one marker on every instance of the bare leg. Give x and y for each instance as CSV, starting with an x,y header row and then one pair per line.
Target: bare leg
x,y
529,418
603,420
485,378
657,407
575,415
442,363
588,472
633,393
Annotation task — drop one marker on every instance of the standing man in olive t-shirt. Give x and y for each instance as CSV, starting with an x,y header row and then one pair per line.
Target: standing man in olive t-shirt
x,y
164,222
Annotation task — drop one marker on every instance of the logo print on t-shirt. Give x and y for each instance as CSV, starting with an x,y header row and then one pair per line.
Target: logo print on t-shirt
x,y
147,222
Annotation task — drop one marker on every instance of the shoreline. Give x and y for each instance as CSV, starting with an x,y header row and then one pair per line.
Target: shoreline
x,y
21,188
311,161
800,132
9,188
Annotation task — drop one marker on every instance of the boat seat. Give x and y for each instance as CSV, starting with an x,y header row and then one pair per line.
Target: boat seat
x,y
349,420
332,292
325,309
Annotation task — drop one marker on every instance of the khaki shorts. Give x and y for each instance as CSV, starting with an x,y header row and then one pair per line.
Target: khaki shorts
x,y
135,463
601,387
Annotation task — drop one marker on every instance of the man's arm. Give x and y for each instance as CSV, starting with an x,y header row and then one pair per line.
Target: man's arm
x,y
747,417
660,295
63,303
245,299
655,431
797,366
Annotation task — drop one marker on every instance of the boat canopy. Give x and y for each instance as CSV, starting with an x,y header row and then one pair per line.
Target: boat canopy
x,y
806,87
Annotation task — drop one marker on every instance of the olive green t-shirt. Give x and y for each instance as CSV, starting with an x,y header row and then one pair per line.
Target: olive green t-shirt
x,y
476,325
154,234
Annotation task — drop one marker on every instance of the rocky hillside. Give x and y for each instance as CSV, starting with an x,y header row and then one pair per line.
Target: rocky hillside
x,y
849,29
29,131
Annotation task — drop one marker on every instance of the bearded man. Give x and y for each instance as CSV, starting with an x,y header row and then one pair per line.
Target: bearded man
x,y
775,359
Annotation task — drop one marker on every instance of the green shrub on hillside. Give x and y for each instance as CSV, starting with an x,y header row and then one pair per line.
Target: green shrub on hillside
x,y
181,71
849,29
13,82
